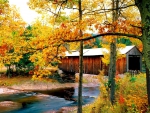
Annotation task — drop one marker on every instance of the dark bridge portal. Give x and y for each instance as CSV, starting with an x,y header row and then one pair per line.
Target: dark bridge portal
x,y
134,62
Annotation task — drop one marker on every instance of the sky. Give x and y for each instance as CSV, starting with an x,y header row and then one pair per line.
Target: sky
x,y
26,13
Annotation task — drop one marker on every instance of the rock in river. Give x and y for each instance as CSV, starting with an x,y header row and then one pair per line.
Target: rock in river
x,y
9,106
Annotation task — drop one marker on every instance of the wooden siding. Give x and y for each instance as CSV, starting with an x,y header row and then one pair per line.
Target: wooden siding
x,y
121,66
91,64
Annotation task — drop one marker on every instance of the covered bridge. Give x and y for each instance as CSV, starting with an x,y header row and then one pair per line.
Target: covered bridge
x,y
92,60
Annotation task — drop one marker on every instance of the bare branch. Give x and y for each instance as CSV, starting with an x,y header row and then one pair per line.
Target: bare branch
x,y
105,11
49,10
57,52
108,10
72,8
105,34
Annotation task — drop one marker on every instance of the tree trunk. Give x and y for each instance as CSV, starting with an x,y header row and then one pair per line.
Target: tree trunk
x,y
144,8
112,71
8,71
80,78
112,66
148,82
80,63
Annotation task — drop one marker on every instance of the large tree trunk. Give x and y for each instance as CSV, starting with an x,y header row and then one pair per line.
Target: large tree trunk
x,y
144,8
148,82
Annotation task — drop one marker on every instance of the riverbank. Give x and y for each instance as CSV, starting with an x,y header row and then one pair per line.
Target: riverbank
x,y
25,83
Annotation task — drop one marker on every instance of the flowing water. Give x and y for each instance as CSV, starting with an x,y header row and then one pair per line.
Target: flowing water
x,y
53,99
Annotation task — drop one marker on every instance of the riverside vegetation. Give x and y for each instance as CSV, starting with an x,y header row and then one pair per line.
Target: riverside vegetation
x,y
131,96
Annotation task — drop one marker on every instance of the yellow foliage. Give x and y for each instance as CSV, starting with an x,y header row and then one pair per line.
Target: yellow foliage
x,y
43,73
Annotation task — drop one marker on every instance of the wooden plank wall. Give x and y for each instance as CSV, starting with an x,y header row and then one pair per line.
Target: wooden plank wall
x,y
91,65
121,66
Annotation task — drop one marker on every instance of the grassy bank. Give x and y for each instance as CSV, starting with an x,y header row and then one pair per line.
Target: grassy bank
x,y
131,96
5,81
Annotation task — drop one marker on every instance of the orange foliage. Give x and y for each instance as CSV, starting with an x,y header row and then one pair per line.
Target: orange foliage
x,y
121,99
121,26
3,49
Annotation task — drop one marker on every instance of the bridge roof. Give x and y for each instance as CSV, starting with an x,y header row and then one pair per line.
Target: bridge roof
x,y
98,51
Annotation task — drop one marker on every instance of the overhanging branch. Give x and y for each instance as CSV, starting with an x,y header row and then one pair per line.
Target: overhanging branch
x,y
105,34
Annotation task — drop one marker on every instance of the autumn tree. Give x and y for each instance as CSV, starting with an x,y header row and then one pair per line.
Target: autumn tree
x,y
118,23
144,8
11,28
112,65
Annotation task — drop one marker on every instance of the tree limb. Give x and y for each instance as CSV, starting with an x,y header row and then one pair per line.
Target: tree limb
x,y
105,34
108,10
137,26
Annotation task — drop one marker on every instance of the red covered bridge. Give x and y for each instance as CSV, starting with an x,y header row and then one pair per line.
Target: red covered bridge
x,y
92,60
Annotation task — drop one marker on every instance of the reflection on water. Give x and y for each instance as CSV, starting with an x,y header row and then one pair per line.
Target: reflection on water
x,y
54,100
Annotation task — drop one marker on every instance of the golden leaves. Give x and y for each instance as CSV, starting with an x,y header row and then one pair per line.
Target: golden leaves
x,y
40,74
12,26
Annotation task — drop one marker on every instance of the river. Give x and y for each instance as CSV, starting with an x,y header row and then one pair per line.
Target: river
x,y
54,99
